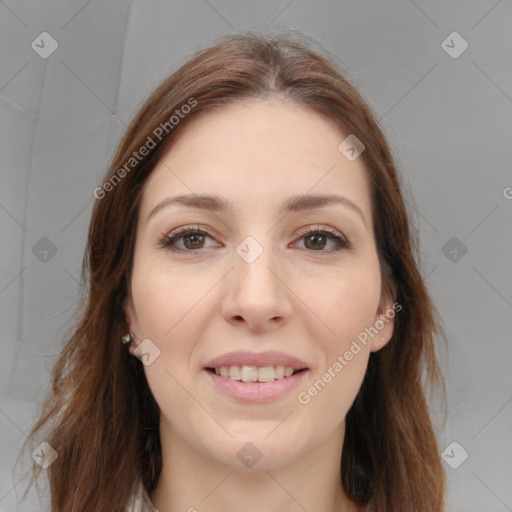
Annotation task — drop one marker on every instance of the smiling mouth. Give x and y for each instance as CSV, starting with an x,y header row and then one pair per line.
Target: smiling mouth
x,y
251,373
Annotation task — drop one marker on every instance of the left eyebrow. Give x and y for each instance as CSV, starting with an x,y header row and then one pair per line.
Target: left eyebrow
x,y
310,201
293,204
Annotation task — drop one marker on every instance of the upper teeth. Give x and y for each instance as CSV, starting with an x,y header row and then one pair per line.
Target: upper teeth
x,y
255,374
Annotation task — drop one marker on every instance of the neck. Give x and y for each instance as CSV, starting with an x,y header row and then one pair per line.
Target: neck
x,y
192,481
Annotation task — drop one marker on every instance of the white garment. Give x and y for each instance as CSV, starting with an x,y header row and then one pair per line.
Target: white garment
x,y
140,501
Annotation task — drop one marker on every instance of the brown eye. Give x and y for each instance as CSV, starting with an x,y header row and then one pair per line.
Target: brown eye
x,y
193,241
317,239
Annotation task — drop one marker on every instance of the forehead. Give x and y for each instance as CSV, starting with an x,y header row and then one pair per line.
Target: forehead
x,y
258,153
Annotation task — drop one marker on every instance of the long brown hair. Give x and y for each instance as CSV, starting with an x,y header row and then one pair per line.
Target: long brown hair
x,y
100,415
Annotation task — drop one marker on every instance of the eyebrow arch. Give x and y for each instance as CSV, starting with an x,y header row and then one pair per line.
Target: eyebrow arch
x,y
293,204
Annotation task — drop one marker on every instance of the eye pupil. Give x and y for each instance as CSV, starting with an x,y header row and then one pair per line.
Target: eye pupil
x,y
194,237
316,244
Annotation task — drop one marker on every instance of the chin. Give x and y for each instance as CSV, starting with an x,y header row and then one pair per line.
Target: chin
x,y
253,452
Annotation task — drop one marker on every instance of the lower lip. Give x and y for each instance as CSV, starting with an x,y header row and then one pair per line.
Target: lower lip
x,y
256,391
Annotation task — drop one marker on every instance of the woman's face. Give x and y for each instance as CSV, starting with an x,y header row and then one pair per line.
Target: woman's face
x,y
252,281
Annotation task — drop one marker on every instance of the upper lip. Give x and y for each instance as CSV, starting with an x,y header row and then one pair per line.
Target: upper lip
x,y
246,358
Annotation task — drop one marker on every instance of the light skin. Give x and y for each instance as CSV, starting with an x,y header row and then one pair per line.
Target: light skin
x,y
299,296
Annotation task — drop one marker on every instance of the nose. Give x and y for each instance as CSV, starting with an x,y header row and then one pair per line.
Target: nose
x,y
257,294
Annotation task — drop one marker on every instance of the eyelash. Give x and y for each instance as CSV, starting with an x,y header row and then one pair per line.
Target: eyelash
x,y
169,239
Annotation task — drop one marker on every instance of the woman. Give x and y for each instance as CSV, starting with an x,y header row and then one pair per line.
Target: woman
x,y
257,329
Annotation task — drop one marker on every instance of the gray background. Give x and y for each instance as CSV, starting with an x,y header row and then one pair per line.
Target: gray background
x,y
448,120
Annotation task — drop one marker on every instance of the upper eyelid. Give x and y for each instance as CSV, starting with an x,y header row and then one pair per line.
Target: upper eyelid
x,y
182,231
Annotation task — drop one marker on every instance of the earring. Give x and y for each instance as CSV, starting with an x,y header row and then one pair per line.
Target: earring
x,y
382,338
127,338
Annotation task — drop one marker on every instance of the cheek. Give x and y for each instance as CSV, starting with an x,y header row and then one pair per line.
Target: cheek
x,y
172,309
164,299
347,309
346,303
326,402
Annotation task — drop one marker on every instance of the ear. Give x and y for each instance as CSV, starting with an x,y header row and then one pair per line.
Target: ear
x,y
384,321
131,323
